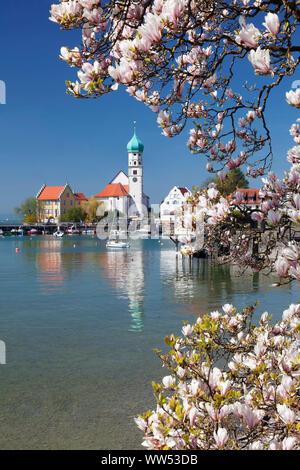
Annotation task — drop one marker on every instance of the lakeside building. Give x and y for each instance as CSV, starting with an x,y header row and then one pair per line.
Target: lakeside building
x,y
56,200
251,197
173,201
125,192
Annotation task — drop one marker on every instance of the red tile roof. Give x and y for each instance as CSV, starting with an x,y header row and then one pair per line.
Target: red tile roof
x,y
80,196
183,190
50,193
114,190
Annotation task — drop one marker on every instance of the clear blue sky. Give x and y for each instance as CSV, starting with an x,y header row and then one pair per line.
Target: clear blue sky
x,y
48,137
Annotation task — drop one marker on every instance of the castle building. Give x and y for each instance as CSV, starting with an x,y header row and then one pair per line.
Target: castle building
x,y
125,193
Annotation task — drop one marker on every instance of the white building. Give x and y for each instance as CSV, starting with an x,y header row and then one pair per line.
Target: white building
x,y
173,202
125,193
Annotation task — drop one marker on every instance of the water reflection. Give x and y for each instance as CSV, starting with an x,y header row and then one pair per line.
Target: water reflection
x,y
59,261
199,285
124,271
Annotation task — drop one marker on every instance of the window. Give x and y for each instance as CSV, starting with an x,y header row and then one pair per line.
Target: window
x,y
68,194
135,172
71,202
134,162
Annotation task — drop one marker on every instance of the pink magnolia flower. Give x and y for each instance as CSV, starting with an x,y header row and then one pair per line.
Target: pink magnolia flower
x,y
212,193
239,197
273,217
260,59
293,98
252,417
172,10
289,443
286,414
152,28
248,36
257,216
221,437
169,381
65,11
282,267
228,308
187,330
272,23
163,119
215,377
89,4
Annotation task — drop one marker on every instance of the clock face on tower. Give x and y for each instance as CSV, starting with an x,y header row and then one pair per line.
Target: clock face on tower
x,y
134,180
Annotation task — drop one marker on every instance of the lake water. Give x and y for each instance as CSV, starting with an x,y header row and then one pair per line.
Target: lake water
x,y
80,324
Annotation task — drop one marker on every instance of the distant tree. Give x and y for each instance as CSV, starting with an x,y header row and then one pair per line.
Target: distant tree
x,y
90,208
77,214
234,179
29,210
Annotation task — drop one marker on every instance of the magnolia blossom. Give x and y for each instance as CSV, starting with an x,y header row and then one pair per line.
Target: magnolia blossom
x,y
169,381
260,59
272,23
221,437
248,36
229,413
293,98
286,414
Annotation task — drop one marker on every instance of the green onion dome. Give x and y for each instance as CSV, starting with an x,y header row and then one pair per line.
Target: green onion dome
x,y
135,145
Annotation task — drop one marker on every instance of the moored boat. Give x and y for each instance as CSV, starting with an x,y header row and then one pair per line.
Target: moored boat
x,y
115,242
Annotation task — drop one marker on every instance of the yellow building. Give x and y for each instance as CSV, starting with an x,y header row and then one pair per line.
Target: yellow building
x,y
55,201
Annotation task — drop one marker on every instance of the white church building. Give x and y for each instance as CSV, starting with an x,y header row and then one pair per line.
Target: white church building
x,y
125,192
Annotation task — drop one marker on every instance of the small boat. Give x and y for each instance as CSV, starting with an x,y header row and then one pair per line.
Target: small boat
x,y
33,231
58,233
143,232
73,231
115,242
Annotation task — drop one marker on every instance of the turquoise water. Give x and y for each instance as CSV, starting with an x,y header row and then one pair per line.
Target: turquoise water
x,y
80,324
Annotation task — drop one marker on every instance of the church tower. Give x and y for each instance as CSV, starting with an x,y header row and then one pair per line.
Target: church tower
x,y
135,150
